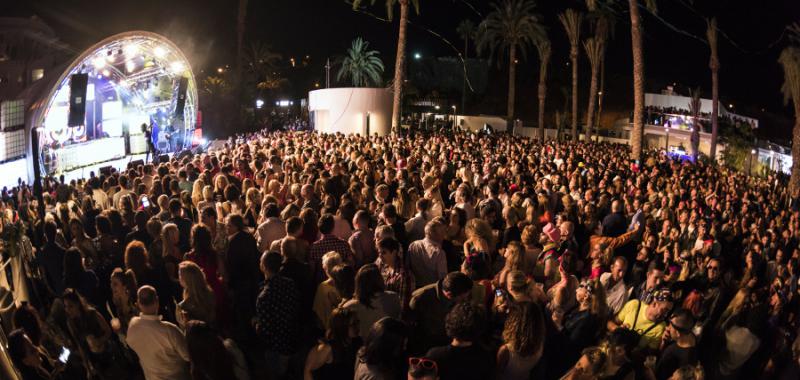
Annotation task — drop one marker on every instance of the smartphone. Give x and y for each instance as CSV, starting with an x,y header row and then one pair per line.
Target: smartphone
x,y
64,355
499,293
146,202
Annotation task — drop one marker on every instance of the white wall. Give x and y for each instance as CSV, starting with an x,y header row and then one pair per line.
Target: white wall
x,y
475,123
345,110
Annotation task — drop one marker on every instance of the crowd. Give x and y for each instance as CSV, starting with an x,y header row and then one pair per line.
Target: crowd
x,y
293,255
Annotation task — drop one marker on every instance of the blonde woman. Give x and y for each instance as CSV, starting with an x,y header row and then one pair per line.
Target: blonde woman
x,y
197,192
431,185
172,254
220,183
208,198
198,298
479,238
515,260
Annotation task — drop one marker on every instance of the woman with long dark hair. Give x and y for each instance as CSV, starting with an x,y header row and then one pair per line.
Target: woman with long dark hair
x,y
523,337
204,255
383,355
371,301
210,357
77,277
333,357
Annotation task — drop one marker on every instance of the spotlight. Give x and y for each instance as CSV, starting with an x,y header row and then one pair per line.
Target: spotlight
x,y
130,66
106,73
159,52
131,50
99,62
259,103
176,66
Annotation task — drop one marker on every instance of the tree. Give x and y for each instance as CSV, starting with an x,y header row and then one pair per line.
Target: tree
x,y
571,20
262,67
510,27
713,64
694,110
603,16
638,76
593,48
790,61
543,47
399,64
362,66
465,30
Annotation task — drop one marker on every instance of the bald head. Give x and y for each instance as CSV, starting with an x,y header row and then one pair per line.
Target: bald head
x,y
147,300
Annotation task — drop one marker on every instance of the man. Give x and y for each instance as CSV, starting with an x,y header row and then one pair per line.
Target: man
x,y
148,137
614,223
655,276
163,207
645,319
98,195
426,258
296,269
430,304
615,286
124,190
362,242
389,217
415,227
140,230
678,345
294,229
277,309
271,229
160,345
242,262
328,242
184,225
463,358
309,198
51,258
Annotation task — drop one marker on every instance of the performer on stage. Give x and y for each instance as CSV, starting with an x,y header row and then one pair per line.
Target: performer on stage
x,y
148,136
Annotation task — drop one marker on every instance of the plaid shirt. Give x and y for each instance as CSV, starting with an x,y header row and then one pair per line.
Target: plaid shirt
x,y
400,281
322,246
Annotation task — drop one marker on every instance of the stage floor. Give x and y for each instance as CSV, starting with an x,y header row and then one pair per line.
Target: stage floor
x,y
119,164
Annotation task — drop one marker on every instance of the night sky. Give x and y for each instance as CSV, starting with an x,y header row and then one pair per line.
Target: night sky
x,y
750,76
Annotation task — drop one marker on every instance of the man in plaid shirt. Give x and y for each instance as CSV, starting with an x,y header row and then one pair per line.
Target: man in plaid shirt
x,y
329,242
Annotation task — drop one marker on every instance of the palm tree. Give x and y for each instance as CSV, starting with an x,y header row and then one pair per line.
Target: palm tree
x,y
790,61
241,24
593,48
603,17
363,67
262,66
713,64
399,64
694,110
510,27
638,76
465,30
572,19
543,46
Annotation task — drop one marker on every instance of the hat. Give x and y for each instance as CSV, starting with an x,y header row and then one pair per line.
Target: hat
x,y
552,232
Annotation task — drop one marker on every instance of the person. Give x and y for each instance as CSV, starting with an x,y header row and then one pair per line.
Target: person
x,y
148,136
678,345
297,270
31,363
362,240
160,345
422,369
206,258
430,305
371,301
415,227
395,276
77,277
383,354
655,276
615,286
523,342
620,363
212,358
51,258
645,319
615,224
277,310
271,229
198,301
326,298
333,356
184,225
242,259
588,366
328,242
91,334
463,358
427,260
582,326
123,297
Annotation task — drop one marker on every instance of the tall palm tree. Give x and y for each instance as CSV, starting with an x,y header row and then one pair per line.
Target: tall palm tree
x,y
241,24
572,19
593,48
694,110
362,66
603,16
713,64
465,30
262,66
638,76
790,61
543,47
511,26
400,61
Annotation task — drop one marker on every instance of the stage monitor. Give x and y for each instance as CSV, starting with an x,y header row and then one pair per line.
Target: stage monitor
x,y
77,99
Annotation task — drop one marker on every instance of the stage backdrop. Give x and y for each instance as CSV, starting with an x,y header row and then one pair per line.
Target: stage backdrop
x,y
365,111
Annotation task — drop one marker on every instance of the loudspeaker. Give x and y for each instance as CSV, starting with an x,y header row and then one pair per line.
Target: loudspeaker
x,y
106,170
181,100
163,159
77,99
135,164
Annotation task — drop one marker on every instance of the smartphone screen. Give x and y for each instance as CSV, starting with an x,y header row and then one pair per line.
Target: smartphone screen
x,y
64,355
145,202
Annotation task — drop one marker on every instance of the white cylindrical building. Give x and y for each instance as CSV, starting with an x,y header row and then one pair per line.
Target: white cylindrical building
x,y
351,110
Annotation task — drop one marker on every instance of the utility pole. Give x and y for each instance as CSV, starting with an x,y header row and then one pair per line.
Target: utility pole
x,y
328,73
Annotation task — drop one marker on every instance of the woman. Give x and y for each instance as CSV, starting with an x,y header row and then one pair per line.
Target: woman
x,y
252,207
197,192
136,260
219,236
479,237
523,337
581,327
514,260
588,366
310,229
371,301
395,277
619,366
207,199
82,242
79,278
327,297
171,252
204,255
383,355
210,357
123,296
456,225
333,356
90,334
198,298
31,363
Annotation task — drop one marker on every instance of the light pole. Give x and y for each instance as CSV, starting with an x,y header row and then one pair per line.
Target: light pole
x,y
454,117
666,143
750,166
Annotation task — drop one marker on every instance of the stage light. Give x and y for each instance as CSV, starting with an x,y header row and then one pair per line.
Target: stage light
x,y
131,50
220,70
437,107
176,66
259,103
130,66
159,52
417,55
106,73
99,62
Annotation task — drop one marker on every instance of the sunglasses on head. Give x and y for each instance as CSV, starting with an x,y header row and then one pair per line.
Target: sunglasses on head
x,y
424,363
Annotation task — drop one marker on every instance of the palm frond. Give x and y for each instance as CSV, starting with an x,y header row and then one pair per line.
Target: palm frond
x,y
362,66
790,61
512,23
